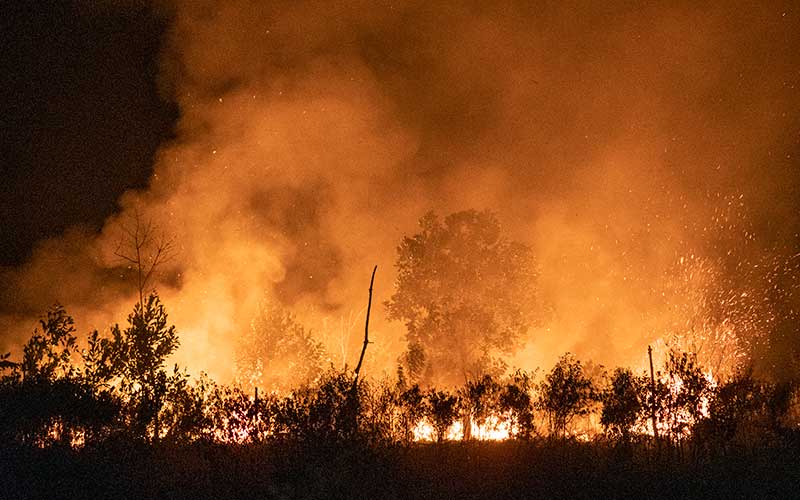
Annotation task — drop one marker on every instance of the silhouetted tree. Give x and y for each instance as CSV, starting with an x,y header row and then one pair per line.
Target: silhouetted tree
x,y
100,361
736,412
780,397
138,355
622,403
378,413
412,410
516,402
465,293
565,393
684,391
48,353
479,401
44,400
442,410
325,412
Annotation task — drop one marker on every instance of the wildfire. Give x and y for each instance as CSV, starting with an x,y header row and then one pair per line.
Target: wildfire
x,y
495,428
679,417
56,433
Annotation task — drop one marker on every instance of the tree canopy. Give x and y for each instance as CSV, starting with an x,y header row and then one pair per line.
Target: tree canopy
x,y
466,294
565,393
138,356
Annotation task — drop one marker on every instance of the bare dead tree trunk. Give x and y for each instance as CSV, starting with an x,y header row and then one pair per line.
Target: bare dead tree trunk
x,y
353,402
366,329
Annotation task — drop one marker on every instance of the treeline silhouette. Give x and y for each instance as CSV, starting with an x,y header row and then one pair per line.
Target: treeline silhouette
x,y
114,403
119,387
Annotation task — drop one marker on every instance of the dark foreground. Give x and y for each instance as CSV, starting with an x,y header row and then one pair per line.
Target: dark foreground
x,y
452,470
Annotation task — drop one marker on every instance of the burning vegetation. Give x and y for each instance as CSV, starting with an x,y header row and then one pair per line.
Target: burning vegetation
x,y
584,216
465,293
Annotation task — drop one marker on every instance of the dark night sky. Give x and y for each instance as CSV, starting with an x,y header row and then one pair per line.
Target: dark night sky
x,y
81,115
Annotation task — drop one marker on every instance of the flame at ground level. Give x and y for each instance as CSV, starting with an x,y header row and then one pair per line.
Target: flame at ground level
x,y
493,429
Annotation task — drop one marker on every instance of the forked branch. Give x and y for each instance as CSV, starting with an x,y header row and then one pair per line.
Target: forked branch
x,y
145,249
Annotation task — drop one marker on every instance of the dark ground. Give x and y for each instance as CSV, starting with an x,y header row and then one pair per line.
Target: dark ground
x,y
452,470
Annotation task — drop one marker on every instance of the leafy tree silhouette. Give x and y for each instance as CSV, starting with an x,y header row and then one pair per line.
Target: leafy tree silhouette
x,y
465,293
623,403
780,396
380,415
735,412
681,394
565,393
412,409
186,417
442,410
326,412
45,400
516,402
479,400
138,355
48,354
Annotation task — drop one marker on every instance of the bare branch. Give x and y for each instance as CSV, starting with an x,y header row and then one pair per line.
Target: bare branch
x,y
163,254
125,257
145,248
366,329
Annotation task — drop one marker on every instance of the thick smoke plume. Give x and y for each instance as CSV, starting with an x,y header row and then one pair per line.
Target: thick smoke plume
x,y
647,155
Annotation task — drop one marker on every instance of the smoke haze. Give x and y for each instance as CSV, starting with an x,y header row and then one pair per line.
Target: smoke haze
x,y
647,155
